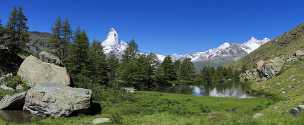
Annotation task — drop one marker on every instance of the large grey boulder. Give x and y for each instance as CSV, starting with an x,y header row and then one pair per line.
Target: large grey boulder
x,y
15,101
56,100
34,71
272,67
49,58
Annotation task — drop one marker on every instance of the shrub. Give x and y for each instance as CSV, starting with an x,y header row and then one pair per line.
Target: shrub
x,y
14,81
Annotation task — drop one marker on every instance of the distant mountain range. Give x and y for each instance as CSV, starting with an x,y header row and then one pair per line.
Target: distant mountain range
x,y
225,53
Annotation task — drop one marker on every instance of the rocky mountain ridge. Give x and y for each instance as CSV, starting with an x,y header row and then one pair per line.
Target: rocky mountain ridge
x,y
226,51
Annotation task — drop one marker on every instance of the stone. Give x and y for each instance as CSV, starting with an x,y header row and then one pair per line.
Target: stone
x,y
49,58
15,101
291,59
250,75
129,89
272,67
299,53
260,64
56,100
99,121
258,115
294,111
301,107
34,71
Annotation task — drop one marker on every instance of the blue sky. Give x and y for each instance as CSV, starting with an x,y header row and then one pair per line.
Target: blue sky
x,y
167,26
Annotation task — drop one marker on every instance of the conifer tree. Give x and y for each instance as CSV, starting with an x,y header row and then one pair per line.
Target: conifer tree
x,y
61,37
56,36
131,52
97,65
77,60
187,71
166,73
177,68
66,39
113,64
17,31
2,32
128,69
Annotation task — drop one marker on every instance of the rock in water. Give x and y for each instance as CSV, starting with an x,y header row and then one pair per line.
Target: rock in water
x,y
34,71
56,100
15,101
49,58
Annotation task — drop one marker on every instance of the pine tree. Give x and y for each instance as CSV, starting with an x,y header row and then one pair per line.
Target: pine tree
x,y
2,32
145,71
113,64
187,70
61,37
77,62
66,40
177,68
17,31
166,73
56,37
131,52
97,65
128,67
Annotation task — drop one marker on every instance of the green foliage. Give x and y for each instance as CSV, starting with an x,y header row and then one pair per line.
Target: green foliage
x,y
166,72
131,52
113,64
219,76
61,38
14,81
17,31
2,32
136,70
187,71
98,69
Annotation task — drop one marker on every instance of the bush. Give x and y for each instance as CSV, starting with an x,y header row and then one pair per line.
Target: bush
x,y
14,81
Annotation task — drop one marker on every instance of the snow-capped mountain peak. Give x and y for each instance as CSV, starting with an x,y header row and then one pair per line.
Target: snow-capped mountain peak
x,y
224,45
112,38
253,43
112,44
225,50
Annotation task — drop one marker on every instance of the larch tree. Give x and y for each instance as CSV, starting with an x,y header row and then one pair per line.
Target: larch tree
x,y
17,31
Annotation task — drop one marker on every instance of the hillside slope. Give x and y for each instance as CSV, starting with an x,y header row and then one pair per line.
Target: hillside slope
x,y
286,44
288,84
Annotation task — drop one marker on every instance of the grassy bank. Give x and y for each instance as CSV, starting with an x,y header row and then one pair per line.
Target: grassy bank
x,y
150,108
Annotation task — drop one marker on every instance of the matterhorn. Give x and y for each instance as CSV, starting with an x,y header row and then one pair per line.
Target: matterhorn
x,y
112,44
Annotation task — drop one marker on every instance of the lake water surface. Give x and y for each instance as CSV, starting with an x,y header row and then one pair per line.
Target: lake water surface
x,y
228,91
